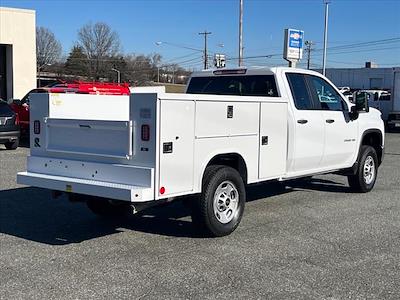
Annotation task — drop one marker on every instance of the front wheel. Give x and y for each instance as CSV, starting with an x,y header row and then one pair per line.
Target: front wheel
x,y
364,179
221,204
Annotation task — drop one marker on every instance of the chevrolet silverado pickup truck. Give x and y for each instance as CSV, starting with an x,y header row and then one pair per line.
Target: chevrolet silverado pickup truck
x,y
232,128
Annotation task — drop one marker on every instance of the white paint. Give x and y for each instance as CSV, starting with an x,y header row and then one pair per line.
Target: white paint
x,y
199,128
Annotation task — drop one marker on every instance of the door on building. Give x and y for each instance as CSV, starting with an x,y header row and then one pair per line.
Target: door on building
x,y
3,72
376,83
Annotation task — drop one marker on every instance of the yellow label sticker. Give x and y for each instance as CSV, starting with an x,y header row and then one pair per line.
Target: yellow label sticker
x,y
55,100
68,188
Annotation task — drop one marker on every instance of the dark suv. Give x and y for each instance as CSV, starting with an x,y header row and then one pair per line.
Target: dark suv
x,y
9,126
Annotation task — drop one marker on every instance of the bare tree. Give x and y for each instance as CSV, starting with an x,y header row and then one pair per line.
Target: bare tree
x,y
48,48
99,43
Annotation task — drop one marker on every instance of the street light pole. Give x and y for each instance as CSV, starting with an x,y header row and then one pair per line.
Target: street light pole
x,y
325,37
118,74
240,33
205,33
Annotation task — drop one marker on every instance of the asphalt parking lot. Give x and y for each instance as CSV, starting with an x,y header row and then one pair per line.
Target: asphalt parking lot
x,y
304,240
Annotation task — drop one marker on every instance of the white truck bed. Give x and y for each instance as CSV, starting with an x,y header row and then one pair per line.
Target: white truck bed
x,y
93,144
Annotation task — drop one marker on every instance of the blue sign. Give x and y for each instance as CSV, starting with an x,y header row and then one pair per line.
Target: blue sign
x,y
295,38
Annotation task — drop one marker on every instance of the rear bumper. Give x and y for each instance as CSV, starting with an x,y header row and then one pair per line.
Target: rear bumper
x,y
87,187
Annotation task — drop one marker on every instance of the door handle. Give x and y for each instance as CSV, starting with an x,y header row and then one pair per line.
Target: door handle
x,y
302,121
330,121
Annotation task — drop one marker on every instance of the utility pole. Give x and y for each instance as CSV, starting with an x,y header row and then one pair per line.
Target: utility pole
x,y
240,33
205,33
309,45
326,2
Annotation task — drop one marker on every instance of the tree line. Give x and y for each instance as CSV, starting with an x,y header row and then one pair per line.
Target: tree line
x,y
97,56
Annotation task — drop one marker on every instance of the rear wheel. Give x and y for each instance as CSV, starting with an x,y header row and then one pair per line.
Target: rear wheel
x,y
12,145
364,179
220,207
108,208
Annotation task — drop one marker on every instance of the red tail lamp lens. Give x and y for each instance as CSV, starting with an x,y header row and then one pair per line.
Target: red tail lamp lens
x,y
162,190
36,127
145,132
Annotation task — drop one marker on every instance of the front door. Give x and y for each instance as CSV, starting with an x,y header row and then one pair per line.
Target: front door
x,y
340,131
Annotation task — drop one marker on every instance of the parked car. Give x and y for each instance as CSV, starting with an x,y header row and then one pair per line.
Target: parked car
x,y
9,126
21,107
381,100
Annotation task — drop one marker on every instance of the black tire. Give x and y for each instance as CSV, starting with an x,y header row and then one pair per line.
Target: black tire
x,y
12,145
358,182
108,208
205,217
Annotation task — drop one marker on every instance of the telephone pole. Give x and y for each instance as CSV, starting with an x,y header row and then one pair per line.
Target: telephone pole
x,y
308,49
205,33
240,33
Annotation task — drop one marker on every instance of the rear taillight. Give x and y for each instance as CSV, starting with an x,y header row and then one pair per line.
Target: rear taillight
x,y
36,127
16,119
145,132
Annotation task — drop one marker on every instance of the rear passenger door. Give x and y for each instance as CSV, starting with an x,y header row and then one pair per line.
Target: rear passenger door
x,y
308,125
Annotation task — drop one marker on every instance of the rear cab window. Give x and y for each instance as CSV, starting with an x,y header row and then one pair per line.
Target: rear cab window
x,y
301,96
249,85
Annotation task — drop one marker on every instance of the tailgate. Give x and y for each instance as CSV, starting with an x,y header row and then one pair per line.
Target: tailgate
x,y
90,137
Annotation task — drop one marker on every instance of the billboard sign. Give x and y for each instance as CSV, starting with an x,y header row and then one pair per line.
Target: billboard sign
x,y
293,47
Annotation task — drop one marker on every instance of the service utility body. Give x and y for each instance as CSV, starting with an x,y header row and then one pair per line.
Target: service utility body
x,y
233,127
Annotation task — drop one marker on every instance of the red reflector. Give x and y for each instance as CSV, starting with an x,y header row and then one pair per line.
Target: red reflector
x,y
145,132
36,127
162,190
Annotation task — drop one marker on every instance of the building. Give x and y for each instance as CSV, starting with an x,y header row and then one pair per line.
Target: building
x,y
362,78
17,52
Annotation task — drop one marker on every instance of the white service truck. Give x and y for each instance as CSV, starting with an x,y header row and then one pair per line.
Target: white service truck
x,y
233,127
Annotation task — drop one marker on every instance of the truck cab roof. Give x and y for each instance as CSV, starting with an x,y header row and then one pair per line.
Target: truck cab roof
x,y
254,70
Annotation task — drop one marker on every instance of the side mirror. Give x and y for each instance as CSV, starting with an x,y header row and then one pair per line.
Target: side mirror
x,y
353,113
16,102
361,101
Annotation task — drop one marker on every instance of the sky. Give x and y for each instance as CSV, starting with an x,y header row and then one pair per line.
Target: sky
x,y
141,24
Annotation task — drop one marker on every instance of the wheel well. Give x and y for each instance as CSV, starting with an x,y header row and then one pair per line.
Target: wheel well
x,y
374,139
232,160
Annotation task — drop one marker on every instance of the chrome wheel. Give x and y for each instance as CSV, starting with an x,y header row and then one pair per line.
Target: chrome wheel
x,y
369,170
226,202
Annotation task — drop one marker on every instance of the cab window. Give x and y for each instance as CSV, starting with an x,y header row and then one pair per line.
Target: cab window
x,y
325,96
249,85
301,96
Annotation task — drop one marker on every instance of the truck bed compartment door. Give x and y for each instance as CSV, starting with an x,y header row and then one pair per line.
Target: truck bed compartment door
x,y
176,147
273,140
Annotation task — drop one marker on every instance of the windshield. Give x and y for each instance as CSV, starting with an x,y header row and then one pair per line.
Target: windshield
x,y
5,110
251,85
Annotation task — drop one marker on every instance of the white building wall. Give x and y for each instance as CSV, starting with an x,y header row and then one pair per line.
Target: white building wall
x,y
361,78
18,29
